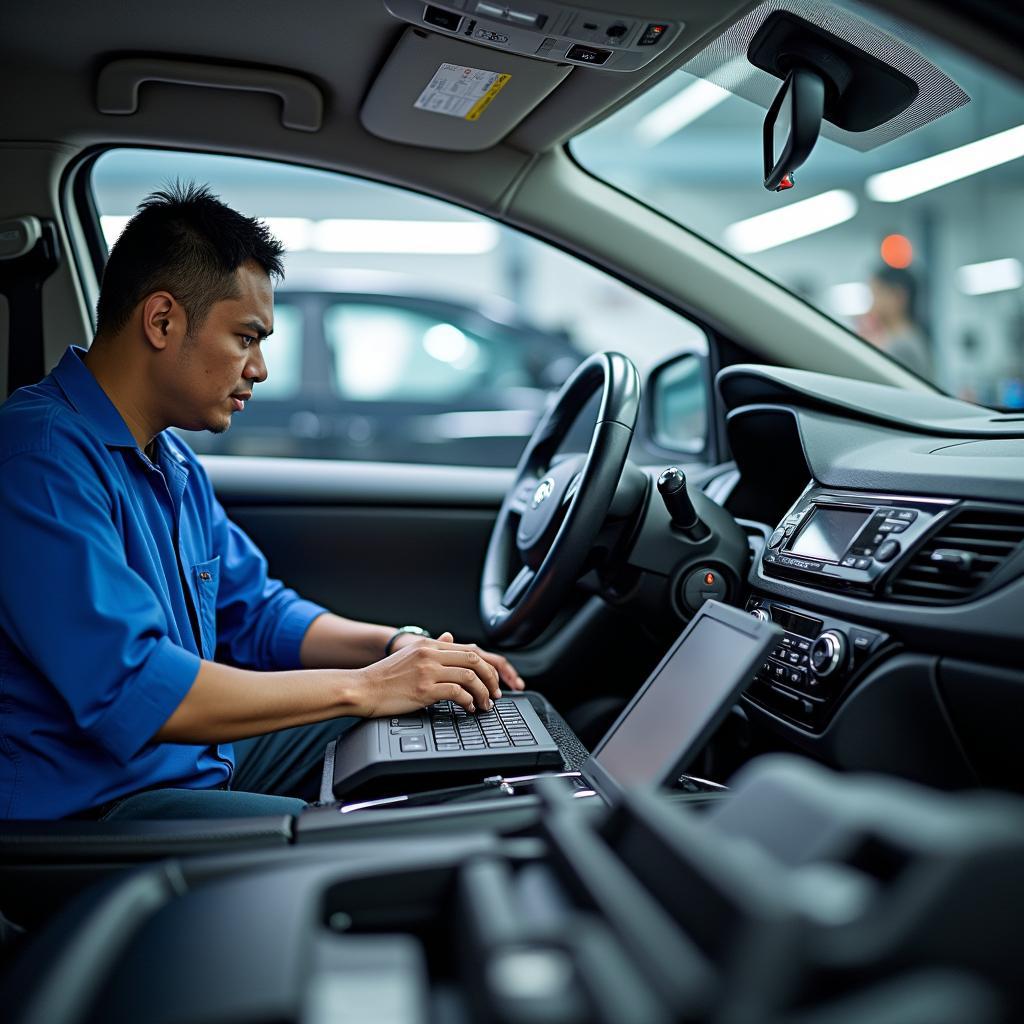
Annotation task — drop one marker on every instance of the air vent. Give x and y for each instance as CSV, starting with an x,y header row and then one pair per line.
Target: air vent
x,y
954,562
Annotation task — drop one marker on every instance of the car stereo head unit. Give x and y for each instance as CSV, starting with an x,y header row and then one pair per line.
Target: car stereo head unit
x,y
845,539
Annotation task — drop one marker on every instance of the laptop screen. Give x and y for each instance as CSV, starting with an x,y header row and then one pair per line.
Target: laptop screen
x,y
686,698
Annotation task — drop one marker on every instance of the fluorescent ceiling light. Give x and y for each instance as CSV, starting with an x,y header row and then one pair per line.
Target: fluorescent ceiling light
x,y
112,224
676,113
851,299
806,217
923,175
444,237
993,276
294,233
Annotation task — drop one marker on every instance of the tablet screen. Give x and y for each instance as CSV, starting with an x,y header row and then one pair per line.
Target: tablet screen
x,y
684,701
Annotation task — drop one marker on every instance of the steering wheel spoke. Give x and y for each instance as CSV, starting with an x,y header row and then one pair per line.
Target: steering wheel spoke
x,y
515,590
523,495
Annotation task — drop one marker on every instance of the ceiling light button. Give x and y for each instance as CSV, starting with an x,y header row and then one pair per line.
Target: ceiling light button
x,y
490,10
587,54
440,18
527,18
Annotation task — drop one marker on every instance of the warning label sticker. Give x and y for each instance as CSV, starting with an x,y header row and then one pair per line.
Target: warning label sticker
x,y
461,92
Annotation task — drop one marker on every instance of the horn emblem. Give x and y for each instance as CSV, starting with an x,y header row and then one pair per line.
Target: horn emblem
x,y
543,492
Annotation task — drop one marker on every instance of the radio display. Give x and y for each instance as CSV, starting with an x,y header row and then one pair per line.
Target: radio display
x,y
828,533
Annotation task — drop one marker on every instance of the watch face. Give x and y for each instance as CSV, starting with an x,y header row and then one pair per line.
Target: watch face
x,y
415,630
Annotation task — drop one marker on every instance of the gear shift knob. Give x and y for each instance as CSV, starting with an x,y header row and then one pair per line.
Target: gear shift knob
x,y
672,488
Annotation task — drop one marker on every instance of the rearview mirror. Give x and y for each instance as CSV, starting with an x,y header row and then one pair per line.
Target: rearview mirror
x,y
791,126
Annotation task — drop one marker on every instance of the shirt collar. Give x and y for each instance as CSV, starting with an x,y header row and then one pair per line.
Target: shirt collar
x,y
85,394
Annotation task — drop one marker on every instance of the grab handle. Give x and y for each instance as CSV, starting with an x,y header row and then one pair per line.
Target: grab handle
x,y
117,91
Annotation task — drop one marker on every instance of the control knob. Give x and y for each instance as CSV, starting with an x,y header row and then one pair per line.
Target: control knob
x,y
828,653
760,614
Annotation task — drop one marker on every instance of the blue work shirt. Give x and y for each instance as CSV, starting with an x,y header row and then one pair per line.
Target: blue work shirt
x,y
97,645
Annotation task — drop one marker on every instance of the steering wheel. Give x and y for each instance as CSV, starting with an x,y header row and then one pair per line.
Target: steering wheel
x,y
551,516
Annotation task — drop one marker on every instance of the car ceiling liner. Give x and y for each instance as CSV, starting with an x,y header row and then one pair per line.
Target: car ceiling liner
x,y
725,62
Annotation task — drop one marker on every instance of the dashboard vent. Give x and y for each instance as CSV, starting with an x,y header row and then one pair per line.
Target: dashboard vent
x,y
956,560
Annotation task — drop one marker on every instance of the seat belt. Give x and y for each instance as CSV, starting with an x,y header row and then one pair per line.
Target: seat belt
x,y
29,254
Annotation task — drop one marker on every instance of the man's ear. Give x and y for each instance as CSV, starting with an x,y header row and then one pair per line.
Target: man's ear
x,y
163,320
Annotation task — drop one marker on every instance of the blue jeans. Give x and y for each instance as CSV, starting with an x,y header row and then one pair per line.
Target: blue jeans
x,y
278,773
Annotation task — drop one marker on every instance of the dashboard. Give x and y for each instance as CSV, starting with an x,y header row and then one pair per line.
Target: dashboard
x,y
892,556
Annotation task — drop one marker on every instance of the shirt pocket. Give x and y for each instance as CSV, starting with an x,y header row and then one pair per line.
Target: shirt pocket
x,y
206,579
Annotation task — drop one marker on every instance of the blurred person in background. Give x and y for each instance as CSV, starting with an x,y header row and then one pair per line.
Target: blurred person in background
x,y
892,323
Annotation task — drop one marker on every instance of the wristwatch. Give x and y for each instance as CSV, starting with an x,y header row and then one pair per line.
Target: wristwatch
x,y
415,630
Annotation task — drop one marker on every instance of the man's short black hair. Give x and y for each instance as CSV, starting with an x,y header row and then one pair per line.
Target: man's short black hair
x,y
183,240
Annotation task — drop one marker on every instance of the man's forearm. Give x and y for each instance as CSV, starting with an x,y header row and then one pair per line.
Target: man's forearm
x,y
334,642
226,703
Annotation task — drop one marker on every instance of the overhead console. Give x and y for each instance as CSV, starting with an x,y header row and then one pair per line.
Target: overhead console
x,y
465,73
548,31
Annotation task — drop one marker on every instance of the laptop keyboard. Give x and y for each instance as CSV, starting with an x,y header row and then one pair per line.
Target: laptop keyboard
x,y
503,726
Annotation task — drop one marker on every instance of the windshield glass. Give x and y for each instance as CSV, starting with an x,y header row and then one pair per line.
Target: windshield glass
x,y
927,265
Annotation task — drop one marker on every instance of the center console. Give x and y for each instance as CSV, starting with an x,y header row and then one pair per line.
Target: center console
x,y
844,540
838,541
812,665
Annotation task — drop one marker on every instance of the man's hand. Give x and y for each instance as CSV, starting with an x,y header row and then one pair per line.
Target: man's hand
x,y
425,671
508,675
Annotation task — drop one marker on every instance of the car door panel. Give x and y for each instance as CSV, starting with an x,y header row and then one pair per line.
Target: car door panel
x,y
390,544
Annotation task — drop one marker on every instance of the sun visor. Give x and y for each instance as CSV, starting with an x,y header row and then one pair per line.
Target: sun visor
x,y
446,94
725,62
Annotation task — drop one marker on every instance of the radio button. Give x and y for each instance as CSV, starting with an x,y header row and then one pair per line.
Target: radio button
x,y
850,561
885,527
776,538
897,527
862,563
877,539
908,515
862,641
789,530
887,551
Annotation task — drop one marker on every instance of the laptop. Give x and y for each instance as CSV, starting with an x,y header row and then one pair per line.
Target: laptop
x,y
666,724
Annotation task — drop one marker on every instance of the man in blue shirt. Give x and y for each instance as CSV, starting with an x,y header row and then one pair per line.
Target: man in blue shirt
x,y
140,633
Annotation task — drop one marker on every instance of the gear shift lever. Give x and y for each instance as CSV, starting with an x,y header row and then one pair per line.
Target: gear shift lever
x,y
672,488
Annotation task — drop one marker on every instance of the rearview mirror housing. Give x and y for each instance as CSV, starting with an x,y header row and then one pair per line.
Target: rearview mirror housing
x,y
791,126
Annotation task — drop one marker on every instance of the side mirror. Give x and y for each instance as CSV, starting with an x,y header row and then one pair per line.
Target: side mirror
x,y
679,404
791,126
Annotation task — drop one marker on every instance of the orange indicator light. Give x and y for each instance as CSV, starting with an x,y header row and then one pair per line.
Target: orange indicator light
x,y
897,251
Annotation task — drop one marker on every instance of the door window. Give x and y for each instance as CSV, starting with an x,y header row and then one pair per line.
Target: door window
x,y
406,329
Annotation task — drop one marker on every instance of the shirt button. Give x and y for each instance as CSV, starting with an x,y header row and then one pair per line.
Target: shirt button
x,y
204,576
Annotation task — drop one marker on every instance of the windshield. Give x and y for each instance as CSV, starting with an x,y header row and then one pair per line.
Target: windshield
x,y
926,264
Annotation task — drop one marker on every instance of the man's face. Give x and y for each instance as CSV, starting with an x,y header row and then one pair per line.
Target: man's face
x,y
216,369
